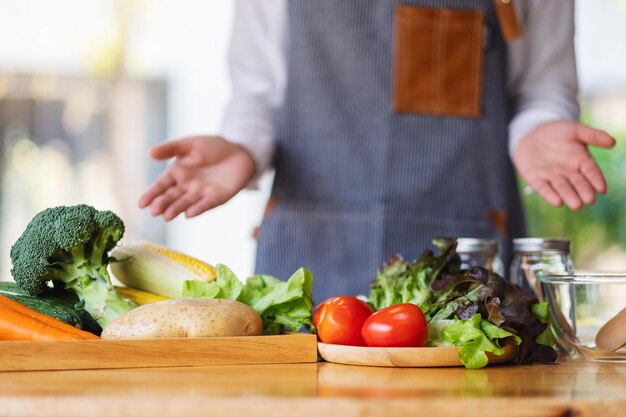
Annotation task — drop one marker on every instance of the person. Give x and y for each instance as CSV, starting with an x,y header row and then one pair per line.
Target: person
x,y
388,123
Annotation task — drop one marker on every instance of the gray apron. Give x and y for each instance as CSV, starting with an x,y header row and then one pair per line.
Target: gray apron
x,y
357,182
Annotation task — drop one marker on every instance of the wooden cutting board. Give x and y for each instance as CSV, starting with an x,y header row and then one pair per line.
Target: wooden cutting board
x,y
148,353
403,357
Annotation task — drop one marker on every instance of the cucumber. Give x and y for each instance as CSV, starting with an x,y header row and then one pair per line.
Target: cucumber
x,y
7,287
71,300
56,303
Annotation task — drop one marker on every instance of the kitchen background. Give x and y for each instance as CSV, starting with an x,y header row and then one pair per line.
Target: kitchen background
x,y
87,87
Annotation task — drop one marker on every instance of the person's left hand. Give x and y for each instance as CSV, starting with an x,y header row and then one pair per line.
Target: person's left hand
x,y
554,161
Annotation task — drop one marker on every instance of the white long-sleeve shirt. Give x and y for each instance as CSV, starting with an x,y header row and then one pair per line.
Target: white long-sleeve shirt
x,y
542,77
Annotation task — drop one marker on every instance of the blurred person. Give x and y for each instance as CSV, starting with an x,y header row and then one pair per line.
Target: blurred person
x,y
389,123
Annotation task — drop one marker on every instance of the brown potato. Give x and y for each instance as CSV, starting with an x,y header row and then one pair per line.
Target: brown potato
x,y
197,317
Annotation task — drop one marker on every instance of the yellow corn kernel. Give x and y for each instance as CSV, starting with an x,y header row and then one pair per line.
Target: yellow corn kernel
x,y
150,267
201,269
140,297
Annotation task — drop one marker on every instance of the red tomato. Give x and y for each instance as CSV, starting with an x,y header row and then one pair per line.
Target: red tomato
x,y
399,325
339,320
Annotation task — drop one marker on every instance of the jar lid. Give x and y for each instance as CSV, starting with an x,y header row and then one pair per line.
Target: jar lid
x,y
473,245
534,244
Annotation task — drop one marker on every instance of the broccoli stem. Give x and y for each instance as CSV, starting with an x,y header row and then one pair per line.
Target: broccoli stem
x,y
101,300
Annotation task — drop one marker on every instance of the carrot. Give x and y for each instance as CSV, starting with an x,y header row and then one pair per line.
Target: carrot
x,y
9,306
18,326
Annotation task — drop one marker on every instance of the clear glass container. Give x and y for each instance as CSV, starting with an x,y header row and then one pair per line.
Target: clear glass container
x,y
480,252
579,305
534,255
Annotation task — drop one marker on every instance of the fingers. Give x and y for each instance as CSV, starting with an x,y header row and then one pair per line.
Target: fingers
x,y
163,202
205,203
179,205
594,137
160,185
583,188
565,190
192,203
586,177
171,149
574,190
167,198
545,190
591,171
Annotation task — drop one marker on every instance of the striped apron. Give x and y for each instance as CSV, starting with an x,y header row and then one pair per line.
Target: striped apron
x,y
357,181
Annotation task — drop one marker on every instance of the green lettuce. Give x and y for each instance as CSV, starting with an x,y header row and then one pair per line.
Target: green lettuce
x,y
435,338
410,282
540,311
281,304
475,336
443,291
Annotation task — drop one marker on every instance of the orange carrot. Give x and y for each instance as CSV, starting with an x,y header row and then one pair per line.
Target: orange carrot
x,y
35,316
18,326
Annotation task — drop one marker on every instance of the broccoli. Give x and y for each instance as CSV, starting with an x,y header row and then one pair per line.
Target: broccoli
x,y
69,245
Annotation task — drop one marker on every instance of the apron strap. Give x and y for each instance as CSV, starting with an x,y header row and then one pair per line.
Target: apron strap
x,y
507,17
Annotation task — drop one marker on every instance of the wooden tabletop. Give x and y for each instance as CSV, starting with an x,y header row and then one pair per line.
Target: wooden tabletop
x,y
320,389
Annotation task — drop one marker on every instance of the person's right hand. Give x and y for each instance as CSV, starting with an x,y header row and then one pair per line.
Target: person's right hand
x,y
208,171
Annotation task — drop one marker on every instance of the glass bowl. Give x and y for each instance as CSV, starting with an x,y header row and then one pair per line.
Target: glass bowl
x,y
579,305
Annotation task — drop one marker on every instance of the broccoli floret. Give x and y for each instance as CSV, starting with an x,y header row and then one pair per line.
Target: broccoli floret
x,y
69,245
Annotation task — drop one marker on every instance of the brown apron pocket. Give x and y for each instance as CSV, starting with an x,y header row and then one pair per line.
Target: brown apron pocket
x,y
438,61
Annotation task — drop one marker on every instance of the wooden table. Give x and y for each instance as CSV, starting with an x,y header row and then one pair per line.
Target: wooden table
x,y
320,389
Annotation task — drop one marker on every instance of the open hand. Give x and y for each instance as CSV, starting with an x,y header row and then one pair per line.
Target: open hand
x,y
207,172
554,161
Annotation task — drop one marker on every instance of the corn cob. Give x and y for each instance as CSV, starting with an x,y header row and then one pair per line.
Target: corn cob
x,y
150,267
140,297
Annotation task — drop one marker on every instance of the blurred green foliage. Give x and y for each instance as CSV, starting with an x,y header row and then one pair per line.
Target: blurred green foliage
x,y
594,228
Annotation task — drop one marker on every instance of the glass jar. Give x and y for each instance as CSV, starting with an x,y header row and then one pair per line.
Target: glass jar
x,y
480,252
532,255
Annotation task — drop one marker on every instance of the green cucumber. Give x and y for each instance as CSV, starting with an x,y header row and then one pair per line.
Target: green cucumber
x,y
7,287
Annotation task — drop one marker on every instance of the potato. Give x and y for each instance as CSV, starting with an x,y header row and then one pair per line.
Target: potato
x,y
198,317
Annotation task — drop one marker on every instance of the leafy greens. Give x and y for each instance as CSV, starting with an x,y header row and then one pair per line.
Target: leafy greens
x,y
279,303
475,336
474,309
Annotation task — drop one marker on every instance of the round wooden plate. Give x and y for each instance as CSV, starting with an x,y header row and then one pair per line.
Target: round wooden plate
x,y
402,357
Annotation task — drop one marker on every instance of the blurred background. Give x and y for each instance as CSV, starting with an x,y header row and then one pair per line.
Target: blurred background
x,y
87,87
